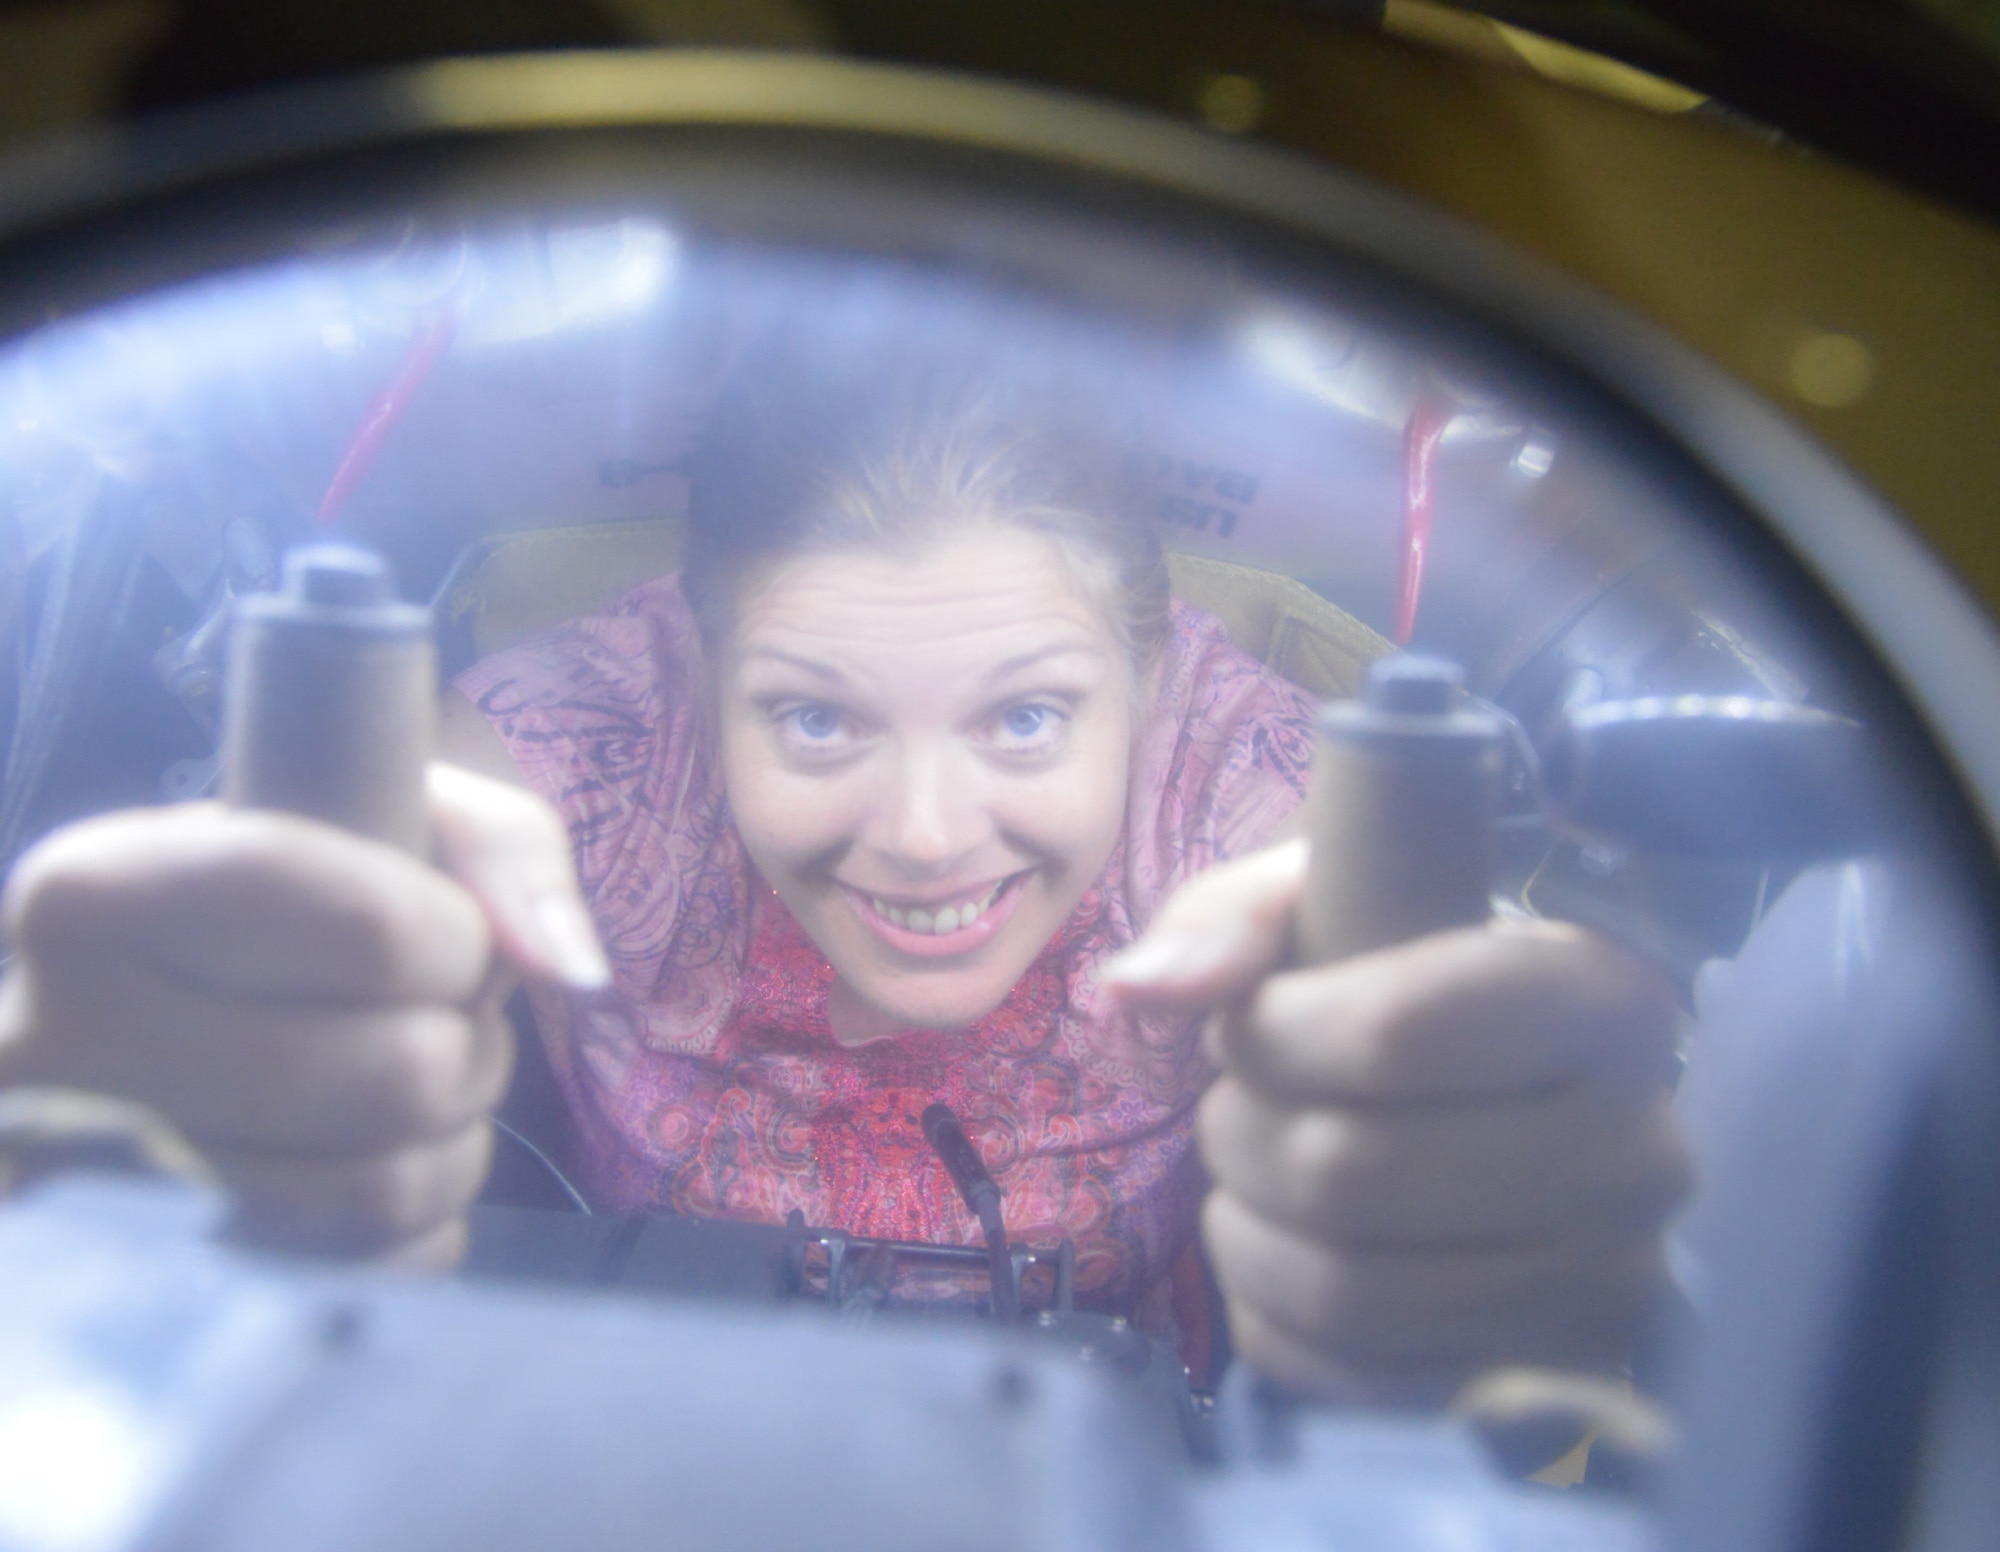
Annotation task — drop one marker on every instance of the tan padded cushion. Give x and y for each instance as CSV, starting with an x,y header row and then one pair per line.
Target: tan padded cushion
x,y
519,584
1283,623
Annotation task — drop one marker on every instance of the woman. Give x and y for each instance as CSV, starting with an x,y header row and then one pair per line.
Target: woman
x,y
867,795
864,805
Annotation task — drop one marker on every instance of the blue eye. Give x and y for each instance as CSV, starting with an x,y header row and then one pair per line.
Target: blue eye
x,y
1025,721
817,723
1032,725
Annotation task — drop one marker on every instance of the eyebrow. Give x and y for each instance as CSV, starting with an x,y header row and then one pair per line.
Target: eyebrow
x,y
812,666
1015,665
1008,667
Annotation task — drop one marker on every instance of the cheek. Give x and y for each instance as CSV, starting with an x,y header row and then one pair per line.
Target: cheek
x,y
1077,811
782,817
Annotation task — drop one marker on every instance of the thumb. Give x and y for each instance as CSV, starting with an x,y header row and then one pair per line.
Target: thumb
x,y
510,850
1219,934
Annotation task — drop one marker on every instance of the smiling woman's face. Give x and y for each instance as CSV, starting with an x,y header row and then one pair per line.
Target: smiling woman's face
x,y
926,757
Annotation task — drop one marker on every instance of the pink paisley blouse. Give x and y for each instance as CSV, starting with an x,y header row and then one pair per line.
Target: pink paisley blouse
x,y
709,1083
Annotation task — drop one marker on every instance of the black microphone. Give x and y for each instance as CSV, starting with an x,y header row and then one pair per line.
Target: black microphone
x,y
945,1134
961,1161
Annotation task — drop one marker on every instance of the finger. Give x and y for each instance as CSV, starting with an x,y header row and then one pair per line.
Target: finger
x,y
1503,1009
253,902
511,850
355,1206
1569,1163
304,1078
1215,936
1569,1303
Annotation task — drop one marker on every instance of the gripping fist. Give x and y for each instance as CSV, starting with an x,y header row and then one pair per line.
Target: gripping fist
x,y
319,1014
1430,1160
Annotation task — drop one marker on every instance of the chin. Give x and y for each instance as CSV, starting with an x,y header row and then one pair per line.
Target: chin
x,y
903,998
940,1012
934,996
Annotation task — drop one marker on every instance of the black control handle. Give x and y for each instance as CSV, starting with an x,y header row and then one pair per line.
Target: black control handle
x,y
1729,778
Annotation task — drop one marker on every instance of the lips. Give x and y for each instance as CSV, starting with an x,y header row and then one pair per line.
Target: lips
x,y
941,929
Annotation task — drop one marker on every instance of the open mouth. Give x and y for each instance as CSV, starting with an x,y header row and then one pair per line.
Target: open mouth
x,y
942,920
950,927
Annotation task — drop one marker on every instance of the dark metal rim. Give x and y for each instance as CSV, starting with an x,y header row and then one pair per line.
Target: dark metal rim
x,y
1932,636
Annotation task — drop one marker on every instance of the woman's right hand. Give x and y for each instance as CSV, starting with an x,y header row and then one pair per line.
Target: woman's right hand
x,y
319,1014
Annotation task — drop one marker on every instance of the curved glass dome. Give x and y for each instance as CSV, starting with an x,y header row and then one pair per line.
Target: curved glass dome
x,y
460,381
485,339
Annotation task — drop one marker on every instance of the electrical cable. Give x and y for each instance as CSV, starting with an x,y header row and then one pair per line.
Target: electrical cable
x,y
975,1185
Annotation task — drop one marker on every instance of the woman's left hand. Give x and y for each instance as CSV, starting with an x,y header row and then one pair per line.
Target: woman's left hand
x,y
1430,1160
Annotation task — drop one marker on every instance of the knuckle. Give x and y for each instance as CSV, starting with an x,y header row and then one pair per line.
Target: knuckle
x,y
367,932
424,1079
1302,1286
1226,1127
400,1195
52,896
1277,1042
1656,1177
1323,1154
1321,1179
401,939
492,1057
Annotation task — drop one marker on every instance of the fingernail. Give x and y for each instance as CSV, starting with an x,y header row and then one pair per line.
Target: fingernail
x,y
1159,957
571,943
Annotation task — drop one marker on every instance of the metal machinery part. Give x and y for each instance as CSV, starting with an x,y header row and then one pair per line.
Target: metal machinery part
x,y
1048,197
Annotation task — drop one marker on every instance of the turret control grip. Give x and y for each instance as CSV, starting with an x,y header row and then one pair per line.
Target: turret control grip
x,y
1405,786
331,700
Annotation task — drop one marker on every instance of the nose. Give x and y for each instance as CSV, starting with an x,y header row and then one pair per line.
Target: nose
x,y
931,813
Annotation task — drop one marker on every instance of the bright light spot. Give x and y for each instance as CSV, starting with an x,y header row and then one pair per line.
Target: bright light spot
x,y
1830,370
340,336
77,1466
1536,457
1331,366
576,278
631,275
1233,104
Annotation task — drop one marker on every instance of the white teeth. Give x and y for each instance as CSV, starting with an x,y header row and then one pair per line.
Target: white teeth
x,y
916,919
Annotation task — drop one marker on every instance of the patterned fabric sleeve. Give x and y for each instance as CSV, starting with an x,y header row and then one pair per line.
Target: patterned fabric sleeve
x,y
598,714
604,717
1223,767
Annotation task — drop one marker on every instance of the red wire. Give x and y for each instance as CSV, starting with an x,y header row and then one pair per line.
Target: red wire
x,y
427,347
1431,414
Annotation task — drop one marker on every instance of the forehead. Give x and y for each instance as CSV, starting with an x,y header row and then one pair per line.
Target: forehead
x,y
988,595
